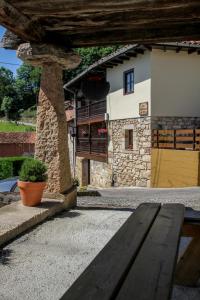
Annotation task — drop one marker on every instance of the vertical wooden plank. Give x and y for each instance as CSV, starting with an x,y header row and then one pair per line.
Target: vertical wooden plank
x,y
188,268
151,275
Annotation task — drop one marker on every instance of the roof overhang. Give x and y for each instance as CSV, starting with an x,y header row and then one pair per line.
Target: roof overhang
x,y
84,23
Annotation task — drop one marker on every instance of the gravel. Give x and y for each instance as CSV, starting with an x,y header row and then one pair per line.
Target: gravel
x,y
43,263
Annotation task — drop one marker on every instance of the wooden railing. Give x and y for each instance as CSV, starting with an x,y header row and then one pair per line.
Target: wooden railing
x,y
92,146
91,111
185,139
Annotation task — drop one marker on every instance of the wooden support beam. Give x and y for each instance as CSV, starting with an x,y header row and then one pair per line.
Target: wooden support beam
x,y
124,57
19,24
85,23
191,50
131,54
178,49
118,61
175,32
188,268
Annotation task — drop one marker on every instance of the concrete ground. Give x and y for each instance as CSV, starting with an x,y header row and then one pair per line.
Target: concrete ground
x,y
44,262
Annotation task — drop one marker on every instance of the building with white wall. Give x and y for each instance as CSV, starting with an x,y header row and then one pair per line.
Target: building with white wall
x,y
151,87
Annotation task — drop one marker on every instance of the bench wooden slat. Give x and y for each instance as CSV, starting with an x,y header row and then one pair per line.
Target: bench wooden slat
x,y
150,277
102,277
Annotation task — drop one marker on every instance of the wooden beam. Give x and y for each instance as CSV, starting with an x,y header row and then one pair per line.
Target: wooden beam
x,y
131,54
191,50
124,57
85,23
118,61
188,268
176,32
19,24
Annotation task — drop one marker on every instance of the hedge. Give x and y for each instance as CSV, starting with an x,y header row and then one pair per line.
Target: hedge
x,y
10,166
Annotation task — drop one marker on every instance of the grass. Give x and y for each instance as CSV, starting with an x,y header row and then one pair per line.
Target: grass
x,y
13,127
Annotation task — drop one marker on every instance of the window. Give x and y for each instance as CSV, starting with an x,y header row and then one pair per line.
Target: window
x,y
129,82
129,139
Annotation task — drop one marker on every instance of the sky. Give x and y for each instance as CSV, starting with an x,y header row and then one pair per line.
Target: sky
x,y
8,57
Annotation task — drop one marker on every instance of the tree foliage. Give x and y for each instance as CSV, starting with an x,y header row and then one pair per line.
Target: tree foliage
x,y
88,56
27,85
6,84
18,93
21,92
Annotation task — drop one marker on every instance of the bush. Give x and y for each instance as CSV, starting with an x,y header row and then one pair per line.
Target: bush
x,y
6,169
33,171
10,166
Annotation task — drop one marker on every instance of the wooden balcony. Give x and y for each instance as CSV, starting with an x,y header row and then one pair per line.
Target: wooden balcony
x,y
180,139
91,113
93,148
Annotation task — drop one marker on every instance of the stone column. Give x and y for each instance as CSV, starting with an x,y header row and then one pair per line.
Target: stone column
x,y
52,141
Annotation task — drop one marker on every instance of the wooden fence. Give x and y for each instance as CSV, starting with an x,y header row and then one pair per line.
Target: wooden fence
x,y
180,139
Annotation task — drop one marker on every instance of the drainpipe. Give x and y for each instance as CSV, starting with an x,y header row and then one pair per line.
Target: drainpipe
x,y
75,128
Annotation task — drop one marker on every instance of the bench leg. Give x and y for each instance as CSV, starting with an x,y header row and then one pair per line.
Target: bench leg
x,y
188,268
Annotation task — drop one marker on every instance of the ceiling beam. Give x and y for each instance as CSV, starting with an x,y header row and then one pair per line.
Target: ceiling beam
x,y
174,32
19,24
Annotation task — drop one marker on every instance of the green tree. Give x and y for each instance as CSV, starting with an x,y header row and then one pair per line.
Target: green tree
x,y
88,56
7,81
7,106
27,85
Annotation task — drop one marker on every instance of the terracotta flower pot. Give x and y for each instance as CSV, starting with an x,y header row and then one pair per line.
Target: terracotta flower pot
x,y
31,192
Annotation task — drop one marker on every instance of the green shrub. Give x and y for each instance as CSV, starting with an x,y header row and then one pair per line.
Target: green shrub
x,y
17,163
14,164
6,169
33,171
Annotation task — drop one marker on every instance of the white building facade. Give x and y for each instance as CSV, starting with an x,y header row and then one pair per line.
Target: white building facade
x,y
154,87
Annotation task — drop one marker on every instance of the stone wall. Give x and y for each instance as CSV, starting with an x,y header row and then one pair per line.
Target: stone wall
x,y
100,174
175,122
131,167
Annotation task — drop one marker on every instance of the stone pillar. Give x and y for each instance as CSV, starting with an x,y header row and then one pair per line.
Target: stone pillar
x,y
52,140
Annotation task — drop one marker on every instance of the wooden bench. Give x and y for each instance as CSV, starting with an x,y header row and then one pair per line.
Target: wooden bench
x,y
139,262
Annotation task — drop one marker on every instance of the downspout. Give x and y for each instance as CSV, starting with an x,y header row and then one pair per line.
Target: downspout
x,y
75,129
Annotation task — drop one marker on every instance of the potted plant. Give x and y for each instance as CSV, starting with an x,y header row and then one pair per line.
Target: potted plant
x,y
32,181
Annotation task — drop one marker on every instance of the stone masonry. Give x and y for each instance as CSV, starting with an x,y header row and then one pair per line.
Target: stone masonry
x,y
131,167
175,122
100,174
52,142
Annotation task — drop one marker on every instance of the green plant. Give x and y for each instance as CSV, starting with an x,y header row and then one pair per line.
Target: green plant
x,y
6,169
10,166
83,188
76,181
33,171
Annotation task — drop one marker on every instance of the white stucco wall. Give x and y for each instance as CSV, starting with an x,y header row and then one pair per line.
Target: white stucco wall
x,y
121,106
175,87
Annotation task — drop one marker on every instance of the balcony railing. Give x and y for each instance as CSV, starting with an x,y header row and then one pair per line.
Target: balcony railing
x,y
94,146
94,110
180,139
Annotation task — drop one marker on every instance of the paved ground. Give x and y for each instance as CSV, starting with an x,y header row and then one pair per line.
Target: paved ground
x,y
132,197
43,263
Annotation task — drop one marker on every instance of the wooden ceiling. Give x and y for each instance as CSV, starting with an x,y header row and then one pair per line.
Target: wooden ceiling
x,y
77,23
